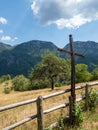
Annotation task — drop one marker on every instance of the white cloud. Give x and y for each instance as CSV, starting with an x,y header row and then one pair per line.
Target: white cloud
x,y
8,38
76,21
15,38
1,31
5,38
65,13
3,20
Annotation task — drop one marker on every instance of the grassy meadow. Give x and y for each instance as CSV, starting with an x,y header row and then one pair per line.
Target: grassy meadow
x,y
17,114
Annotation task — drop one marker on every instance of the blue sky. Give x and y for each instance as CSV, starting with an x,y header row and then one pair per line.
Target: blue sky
x,y
48,20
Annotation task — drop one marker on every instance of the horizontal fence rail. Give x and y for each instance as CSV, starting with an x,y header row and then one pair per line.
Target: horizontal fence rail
x,y
4,108
44,97
17,104
20,122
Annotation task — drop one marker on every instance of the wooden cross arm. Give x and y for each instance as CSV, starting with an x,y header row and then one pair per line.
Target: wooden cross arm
x,y
69,52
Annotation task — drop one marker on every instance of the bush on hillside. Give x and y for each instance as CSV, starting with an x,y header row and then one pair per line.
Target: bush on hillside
x,y
21,83
95,74
58,84
82,73
7,90
5,78
39,84
93,99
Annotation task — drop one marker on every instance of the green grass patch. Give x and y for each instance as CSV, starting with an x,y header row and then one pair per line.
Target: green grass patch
x,y
94,117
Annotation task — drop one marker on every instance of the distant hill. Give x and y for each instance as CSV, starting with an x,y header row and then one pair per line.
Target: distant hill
x,y
90,51
21,58
4,46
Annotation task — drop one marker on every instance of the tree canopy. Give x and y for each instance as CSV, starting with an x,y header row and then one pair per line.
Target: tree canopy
x,y
95,74
52,68
82,74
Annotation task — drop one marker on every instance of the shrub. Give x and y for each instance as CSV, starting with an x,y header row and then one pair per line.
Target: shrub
x,y
48,128
5,78
21,83
40,84
93,99
78,112
82,73
57,84
61,123
7,90
95,74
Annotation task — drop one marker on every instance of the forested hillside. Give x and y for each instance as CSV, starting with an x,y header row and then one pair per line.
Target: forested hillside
x,y
90,51
19,59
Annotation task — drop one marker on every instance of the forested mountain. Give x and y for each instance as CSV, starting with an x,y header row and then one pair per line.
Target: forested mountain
x,y
4,47
21,58
90,51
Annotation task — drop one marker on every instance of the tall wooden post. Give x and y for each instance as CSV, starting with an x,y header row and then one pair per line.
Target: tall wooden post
x,y
72,68
72,98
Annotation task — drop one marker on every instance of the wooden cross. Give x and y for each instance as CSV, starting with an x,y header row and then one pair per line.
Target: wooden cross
x,y
73,54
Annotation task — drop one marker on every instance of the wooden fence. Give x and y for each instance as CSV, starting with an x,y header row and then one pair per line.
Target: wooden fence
x,y
40,111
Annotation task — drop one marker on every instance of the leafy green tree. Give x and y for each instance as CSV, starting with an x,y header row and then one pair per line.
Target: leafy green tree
x,y
52,68
95,74
82,74
21,83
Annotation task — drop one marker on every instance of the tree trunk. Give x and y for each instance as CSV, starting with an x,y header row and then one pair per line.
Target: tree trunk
x,y
52,84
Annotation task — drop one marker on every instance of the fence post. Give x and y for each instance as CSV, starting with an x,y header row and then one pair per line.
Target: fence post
x,y
40,120
86,96
71,110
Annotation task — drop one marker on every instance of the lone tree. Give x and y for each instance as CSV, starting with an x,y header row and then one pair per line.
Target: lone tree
x,y
52,68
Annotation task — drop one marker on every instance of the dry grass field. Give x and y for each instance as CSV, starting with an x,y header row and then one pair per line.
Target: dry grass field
x,y
17,114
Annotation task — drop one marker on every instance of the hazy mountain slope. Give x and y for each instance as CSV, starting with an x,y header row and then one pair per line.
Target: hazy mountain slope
x,y
21,58
90,51
4,46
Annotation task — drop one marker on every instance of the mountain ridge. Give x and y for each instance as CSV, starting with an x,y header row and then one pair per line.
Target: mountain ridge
x,y
19,59
90,51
